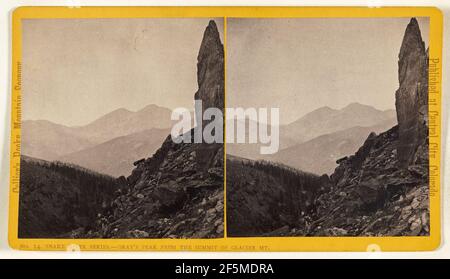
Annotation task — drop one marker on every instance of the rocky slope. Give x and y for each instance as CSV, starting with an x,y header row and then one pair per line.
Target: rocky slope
x,y
373,195
381,190
178,192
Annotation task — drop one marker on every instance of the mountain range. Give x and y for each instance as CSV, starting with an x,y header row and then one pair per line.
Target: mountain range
x,y
315,141
326,120
319,155
107,145
116,157
114,141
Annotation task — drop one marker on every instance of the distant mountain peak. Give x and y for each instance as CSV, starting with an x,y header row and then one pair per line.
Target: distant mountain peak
x,y
152,107
116,112
41,122
327,111
325,108
356,104
121,110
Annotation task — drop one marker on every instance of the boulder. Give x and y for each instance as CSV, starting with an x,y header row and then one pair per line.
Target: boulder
x,y
363,151
371,193
171,196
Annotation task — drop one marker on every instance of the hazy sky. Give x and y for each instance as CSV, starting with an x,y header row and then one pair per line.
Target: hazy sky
x,y
76,70
299,65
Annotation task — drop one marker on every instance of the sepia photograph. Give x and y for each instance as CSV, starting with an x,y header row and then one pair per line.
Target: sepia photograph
x,y
208,132
345,114
98,159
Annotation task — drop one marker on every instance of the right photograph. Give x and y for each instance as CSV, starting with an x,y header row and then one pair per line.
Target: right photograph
x,y
328,131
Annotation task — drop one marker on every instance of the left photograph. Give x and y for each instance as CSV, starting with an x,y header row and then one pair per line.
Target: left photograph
x,y
103,104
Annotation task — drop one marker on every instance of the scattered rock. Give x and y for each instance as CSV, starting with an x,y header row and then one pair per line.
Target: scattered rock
x,y
337,232
137,234
171,196
219,229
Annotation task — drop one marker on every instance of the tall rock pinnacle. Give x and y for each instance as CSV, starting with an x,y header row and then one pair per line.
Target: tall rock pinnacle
x,y
411,99
210,69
